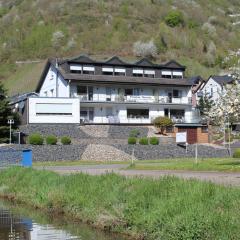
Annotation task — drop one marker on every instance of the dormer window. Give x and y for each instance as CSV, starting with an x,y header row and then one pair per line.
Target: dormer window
x,y
166,74
75,68
120,72
177,74
138,72
107,71
88,70
149,73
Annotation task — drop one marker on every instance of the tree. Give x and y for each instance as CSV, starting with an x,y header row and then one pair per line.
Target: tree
x,y
226,106
205,104
162,123
5,114
148,49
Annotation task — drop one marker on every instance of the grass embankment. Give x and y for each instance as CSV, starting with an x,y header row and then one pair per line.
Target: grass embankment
x,y
168,208
210,164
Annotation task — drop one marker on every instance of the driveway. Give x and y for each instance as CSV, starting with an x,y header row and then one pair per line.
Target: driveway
x,y
224,178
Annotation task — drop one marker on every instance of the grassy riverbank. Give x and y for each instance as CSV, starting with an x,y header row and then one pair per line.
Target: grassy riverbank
x,y
168,208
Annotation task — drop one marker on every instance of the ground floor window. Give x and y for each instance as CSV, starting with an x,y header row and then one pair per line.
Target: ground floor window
x,y
87,114
204,129
137,113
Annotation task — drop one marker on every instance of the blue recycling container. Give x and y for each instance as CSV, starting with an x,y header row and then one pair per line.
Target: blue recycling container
x,y
27,158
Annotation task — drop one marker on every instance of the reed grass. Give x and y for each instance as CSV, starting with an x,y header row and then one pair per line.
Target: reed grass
x,y
168,208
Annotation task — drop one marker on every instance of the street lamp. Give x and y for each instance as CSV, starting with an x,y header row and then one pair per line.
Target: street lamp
x,y
10,122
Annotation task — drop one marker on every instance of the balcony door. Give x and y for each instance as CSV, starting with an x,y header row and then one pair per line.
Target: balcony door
x,y
108,94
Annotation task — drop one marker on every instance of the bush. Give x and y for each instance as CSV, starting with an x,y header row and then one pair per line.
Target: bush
x,y
35,139
143,141
132,140
66,140
134,133
154,141
162,123
174,18
236,153
51,140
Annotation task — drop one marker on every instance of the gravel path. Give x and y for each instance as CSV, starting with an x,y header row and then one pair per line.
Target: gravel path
x,y
224,178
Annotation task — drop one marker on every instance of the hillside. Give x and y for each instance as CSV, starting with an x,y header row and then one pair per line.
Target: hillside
x,y
38,29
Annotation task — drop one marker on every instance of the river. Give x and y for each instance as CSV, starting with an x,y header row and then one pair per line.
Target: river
x,y
20,223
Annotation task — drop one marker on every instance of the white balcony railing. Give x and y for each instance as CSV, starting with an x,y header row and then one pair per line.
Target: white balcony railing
x,y
136,99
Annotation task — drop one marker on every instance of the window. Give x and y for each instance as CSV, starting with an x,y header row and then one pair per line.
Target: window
x,y
107,71
169,129
137,113
120,72
128,91
149,73
166,74
75,68
177,74
88,70
81,90
45,93
204,129
177,93
138,72
52,92
136,91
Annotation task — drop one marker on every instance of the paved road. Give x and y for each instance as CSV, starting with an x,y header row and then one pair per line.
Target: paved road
x,y
224,178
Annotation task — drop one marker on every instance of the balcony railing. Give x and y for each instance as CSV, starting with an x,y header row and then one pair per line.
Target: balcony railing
x,y
136,99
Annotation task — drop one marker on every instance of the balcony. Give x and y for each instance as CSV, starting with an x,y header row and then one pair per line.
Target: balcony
x,y
136,99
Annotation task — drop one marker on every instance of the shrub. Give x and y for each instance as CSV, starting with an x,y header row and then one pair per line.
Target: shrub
x,y
35,139
236,153
154,141
132,140
174,18
134,133
162,123
51,140
66,140
143,141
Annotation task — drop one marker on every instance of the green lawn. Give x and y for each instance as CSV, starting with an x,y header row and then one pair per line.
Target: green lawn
x,y
211,164
167,208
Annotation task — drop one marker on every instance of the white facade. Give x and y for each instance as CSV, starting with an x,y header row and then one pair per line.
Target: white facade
x,y
59,100
213,89
54,85
53,110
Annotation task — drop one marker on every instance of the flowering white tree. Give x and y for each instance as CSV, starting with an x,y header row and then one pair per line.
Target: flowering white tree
x,y
228,104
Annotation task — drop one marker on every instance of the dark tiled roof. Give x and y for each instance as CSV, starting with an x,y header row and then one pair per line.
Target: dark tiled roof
x,y
222,79
115,60
126,79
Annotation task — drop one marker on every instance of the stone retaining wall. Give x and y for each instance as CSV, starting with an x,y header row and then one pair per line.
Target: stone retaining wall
x,y
122,151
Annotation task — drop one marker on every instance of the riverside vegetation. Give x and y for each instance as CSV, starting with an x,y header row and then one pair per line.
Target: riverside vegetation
x,y
36,30
168,208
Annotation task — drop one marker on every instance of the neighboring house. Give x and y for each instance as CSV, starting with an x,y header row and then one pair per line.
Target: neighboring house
x,y
214,86
18,104
112,91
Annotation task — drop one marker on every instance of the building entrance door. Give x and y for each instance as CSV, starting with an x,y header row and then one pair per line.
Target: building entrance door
x,y
191,133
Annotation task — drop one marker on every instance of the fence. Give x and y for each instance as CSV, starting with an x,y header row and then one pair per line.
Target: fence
x,y
11,157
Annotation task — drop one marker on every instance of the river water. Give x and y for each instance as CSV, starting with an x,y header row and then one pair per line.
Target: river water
x,y
18,223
